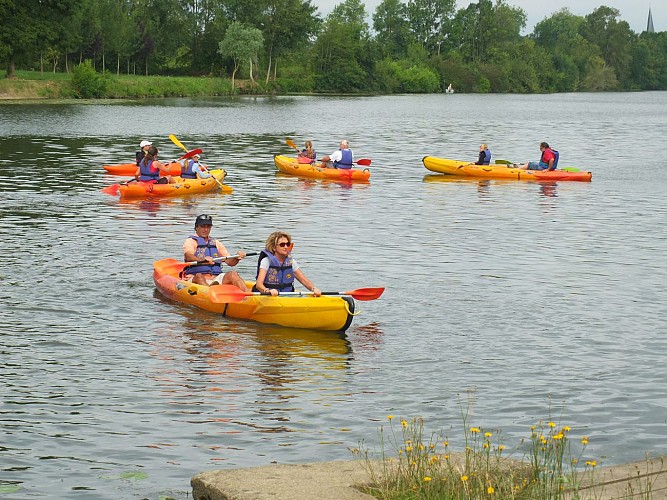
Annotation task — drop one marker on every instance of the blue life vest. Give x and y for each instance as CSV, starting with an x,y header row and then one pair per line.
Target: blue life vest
x,y
346,160
146,171
279,276
186,169
205,249
487,157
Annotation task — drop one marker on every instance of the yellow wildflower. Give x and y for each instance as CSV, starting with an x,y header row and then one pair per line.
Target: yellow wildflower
x,y
501,447
464,478
445,443
559,436
490,490
567,428
584,440
404,423
488,434
390,417
485,445
427,478
431,446
474,430
446,457
552,424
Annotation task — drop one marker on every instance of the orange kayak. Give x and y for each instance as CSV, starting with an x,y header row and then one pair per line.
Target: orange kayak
x,y
128,169
177,187
292,166
500,171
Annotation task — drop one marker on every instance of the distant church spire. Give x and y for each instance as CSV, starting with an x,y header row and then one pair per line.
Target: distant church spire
x,y
649,24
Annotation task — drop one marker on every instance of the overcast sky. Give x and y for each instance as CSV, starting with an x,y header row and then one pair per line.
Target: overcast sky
x,y
635,12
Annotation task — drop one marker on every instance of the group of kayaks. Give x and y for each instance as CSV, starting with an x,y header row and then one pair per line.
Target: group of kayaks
x,y
331,311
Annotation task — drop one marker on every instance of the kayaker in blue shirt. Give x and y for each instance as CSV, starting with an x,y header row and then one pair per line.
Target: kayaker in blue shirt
x,y
343,157
484,155
277,269
191,168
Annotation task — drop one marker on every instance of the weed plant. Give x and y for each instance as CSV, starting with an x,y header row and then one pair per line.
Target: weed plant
x,y
424,467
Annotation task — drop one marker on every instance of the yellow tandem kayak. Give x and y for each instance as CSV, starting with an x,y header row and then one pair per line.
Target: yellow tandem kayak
x,y
292,166
334,313
500,171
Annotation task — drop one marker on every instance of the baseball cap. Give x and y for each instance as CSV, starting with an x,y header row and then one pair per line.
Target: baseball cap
x,y
145,143
204,220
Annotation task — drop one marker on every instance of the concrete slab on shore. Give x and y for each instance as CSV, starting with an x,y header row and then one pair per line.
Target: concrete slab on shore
x,y
336,480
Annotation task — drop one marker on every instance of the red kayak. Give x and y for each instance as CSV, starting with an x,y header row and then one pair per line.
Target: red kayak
x,y
129,169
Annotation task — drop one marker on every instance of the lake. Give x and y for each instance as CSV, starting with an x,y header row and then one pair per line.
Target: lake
x,y
530,300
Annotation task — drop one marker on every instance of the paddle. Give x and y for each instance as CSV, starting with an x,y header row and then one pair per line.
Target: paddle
x,y
230,293
291,144
114,188
507,162
175,267
190,154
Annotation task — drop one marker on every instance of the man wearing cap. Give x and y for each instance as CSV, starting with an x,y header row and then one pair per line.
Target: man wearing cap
x,y
210,254
143,145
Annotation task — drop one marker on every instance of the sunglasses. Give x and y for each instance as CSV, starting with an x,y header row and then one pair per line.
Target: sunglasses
x,y
284,244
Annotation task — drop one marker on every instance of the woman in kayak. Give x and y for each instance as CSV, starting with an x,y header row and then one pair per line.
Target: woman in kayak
x,y
276,268
308,151
149,169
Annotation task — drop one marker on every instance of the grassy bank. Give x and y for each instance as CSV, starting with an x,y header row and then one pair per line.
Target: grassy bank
x,y
48,85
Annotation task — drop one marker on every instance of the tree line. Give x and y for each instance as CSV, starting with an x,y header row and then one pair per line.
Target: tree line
x,y
286,46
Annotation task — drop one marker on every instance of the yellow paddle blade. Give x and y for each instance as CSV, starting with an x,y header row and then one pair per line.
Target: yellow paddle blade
x,y
177,142
291,143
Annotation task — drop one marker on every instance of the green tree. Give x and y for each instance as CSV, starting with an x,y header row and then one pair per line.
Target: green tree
x,y
614,38
429,22
392,28
241,43
342,55
26,23
287,26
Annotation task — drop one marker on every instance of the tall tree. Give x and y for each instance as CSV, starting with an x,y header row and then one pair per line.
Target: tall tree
x,y
341,52
27,22
614,38
241,43
429,22
392,28
287,25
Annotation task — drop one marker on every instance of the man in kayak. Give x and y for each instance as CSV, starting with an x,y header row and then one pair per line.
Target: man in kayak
x,y
343,157
143,149
210,254
276,269
484,155
548,160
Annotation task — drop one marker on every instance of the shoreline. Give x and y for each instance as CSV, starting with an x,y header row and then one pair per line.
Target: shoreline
x,y
341,480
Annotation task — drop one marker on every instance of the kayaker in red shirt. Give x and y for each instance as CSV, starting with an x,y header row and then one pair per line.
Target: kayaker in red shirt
x,y
548,161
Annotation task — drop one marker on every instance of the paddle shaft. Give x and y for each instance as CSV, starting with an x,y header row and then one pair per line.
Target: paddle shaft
x,y
217,259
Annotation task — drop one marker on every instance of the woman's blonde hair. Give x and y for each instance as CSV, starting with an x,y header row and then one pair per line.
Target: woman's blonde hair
x,y
483,146
272,240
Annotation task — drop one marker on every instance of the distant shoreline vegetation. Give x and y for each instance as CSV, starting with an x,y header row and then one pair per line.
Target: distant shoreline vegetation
x,y
140,49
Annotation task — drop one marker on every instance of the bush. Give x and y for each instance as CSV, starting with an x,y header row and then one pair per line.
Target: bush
x,y
88,83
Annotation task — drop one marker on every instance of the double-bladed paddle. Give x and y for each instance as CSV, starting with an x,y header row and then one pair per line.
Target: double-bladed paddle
x,y
190,154
173,266
229,293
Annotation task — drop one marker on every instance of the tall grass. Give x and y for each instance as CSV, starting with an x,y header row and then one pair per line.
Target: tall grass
x,y
414,465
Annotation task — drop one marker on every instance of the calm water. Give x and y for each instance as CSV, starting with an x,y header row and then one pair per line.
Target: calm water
x,y
512,292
